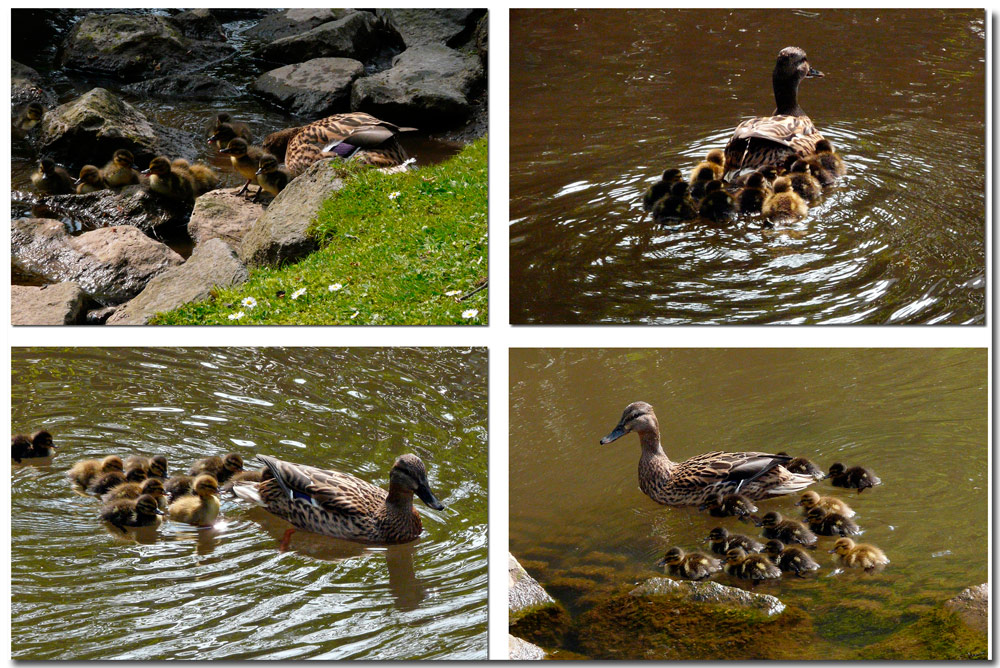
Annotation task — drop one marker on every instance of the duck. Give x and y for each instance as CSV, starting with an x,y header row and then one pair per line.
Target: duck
x,y
133,490
791,558
660,189
828,159
858,555
352,136
245,476
753,567
750,198
51,179
226,129
36,446
221,468
691,566
718,206
728,505
28,118
119,173
107,481
341,505
83,472
803,182
169,181
90,180
154,467
769,140
201,176
140,512
787,531
675,206
699,182
784,205
200,508
830,504
715,160
271,177
177,486
804,466
756,475
245,159
830,524
722,541
855,477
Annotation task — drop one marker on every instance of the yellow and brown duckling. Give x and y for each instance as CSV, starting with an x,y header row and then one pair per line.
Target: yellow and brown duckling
x,y
201,508
691,565
787,531
700,179
715,160
220,468
722,541
226,129
717,206
784,205
728,505
803,182
133,490
753,567
108,481
661,188
90,180
791,558
678,205
271,177
51,179
154,467
119,171
830,524
36,446
29,117
84,472
830,504
858,555
856,477
168,181
140,512
829,159
804,466
200,175
750,198
245,160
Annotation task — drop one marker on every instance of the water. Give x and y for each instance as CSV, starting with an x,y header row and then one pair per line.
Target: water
x,y
604,101
78,592
917,417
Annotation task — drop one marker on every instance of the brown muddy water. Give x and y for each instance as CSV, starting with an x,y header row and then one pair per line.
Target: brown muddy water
x,y
604,100
917,417
78,592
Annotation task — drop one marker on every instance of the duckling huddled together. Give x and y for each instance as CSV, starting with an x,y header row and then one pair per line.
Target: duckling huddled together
x,y
37,446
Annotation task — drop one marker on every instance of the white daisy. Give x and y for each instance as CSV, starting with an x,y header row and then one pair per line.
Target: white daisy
x,y
298,293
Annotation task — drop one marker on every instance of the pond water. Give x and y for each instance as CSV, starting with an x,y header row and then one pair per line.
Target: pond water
x,y
604,100
78,592
917,417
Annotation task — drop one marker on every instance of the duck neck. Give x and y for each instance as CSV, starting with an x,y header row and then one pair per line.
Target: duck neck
x,y
402,522
650,442
786,96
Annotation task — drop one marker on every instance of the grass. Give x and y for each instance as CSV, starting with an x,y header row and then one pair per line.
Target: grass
x,y
395,249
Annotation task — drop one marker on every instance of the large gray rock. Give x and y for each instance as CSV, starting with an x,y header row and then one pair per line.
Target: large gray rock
x,y
313,89
132,205
430,86
111,265
523,591
710,592
199,24
292,22
358,35
59,304
213,264
281,234
482,38
222,214
451,27
973,606
522,650
26,86
185,87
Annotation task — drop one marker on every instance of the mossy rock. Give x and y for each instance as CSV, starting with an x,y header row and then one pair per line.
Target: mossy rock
x,y
543,625
938,635
858,622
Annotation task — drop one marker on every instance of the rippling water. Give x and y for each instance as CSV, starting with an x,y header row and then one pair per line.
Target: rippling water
x,y
604,101
79,592
917,417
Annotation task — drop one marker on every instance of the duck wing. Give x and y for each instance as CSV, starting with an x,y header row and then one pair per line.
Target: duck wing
x,y
333,491
768,141
355,131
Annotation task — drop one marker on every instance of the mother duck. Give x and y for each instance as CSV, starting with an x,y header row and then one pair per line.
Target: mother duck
x,y
756,475
769,140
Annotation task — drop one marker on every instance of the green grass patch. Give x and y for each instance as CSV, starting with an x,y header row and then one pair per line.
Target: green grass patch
x,y
395,249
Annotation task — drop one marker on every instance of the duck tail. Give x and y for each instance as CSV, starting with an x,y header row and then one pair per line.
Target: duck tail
x,y
794,483
248,491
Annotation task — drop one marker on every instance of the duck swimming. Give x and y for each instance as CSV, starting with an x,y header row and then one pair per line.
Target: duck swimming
x,y
715,161
830,524
718,206
201,508
750,199
784,205
803,182
140,512
51,179
133,490
90,180
804,466
756,475
855,477
791,559
729,505
699,182
861,555
660,189
722,541
270,176
119,173
36,446
787,531
675,206
692,566
830,504
828,158
753,567
82,473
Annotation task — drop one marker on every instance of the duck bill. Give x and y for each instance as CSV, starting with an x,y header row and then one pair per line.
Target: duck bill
x,y
661,563
78,181
259,171
814,74
160,512
618,432
427,496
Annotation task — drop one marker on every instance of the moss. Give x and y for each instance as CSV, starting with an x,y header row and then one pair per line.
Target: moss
x,y
543,625
937,635
594,572
569,586
858,622
607,558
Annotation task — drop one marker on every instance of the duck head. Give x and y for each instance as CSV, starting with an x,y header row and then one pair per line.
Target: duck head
x,y
671,175
112,463
46,165
716,156
123,158
237,147
42,439
90,175
224,133
408,472
815,515
679,189
268,163
146,505
638,417
808,499
735,555
842,546
755,181
205,485
713,501
153,487
158,466
673,557
158,166
782,184
835,470
824,146
790,68
773,547
232,462
770,520
717,535
135,474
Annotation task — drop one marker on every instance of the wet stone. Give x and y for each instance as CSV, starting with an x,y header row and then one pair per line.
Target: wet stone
x,y
710,592
58,304
522,650
973,606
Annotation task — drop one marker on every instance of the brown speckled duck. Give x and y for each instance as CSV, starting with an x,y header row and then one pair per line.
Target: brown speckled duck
x,y
36,446
691,565
756,475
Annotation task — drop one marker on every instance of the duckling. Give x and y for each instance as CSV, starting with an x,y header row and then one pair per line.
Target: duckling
x,y
29,117
821,173
200,509
750,198
84,472
140,512
729,505
675,206
692,566
118,173
803,182
787,531
722,541
829,159
803,466
37,445
157,467
830,504
830,524
51,179
107,481
20,446
718,205
660,188
90,180
754,567
133,490
178,486
169,182
714,160
791,559
201,176
226,129
220,468
699,181
860,555
784,204
245,159
856,476
246,476
270,176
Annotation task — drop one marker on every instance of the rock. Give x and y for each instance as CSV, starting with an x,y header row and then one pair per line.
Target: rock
x,y
358,35
482,38
111,265
222,214
199,24
532,614
59,304
451,27
132,205
99,316
710,592
292,22
973,606
522,650
26,86
314,89
213,264
522,590
132,47
185,86
281,234
429,86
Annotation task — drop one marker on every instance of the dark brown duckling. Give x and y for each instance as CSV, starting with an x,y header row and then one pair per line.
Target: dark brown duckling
x,y
729,505
675,206
717,206
178,486
803,466
692,566
784,205
90,180
830,504
168,181
830,524
661,188
140,512
722,541
715,160
803,182
20,446
699,181
861,555
791,559
28,118
855,477
750,198
108,481
220,468
84,472
270,176
787,531
225,129
829,159
119,171
155,467
133,490
753,567
51,179
36,446
245,159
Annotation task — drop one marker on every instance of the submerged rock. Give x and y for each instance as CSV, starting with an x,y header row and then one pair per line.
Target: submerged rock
x,y
358,35
59,304
973,606
313,89
185,86
523,591
710,592
222,214
522,650
132,205
532,614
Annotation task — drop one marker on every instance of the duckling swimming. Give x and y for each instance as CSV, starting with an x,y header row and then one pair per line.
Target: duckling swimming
x,y
178,486
692,566
246,476
133,490
202,508
715,161
728,505
722,541
169,182
51,179
829,159
787,531
856,476
803,182
107,481
791,559
830,524
270,176
38,445
675,206
83,472
754,567
861,555
201,176
784,205
750,198
718,205
245,159
220,468
830,504
804,466
699,182
90,180
660,189
118,173
140,512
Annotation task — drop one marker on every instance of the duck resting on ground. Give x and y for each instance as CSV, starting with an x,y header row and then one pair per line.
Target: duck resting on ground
x,y
51,179
169,181
118,172
245,160
90,180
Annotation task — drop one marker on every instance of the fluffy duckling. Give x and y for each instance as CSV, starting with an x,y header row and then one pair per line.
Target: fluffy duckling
x,y
830,524
119,173
803,182
729,505
178,486
51,179
830,504
20,446
784,205
791,559
803,466
270,176
754,567
722,541
829,159
108,481
246,476
855,477
860,555
202,508
245,159
84,472
750,198
222,469
718,205
675,206
140,512
201,176
29,117
133,490
168,181
90,180
692,566
225,129
37,445
660,189
715,160
787,531
699,182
